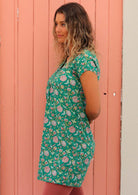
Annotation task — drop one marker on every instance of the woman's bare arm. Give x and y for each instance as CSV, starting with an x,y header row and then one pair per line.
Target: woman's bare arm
x,y
90,87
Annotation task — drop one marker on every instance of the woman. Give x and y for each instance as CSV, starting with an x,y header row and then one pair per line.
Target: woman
x,y
73,102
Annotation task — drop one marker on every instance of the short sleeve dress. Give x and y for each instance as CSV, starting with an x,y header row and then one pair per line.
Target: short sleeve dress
x,y
67,141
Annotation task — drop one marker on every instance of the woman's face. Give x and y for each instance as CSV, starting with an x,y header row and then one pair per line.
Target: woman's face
x,y
60,28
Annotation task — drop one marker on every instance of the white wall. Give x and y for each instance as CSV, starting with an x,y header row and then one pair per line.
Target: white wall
x,y
129,143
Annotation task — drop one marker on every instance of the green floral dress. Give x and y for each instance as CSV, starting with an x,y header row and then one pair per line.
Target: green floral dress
x,y
67,142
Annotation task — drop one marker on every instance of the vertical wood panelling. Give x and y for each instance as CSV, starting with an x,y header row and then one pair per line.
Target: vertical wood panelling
x,y
100,162
114,97
25,97
7,98
41,67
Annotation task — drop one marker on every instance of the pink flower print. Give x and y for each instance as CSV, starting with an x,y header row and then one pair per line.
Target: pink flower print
x,y
47,169
88,130
73,162
54,123
82,114
46,153
59,108
65,159
68,112
56,92
51,89
86,161
70,169
55,139
60,150
75,99
78,163
73,82
71,138
45,119
79,176
84,146
70,122
72,129
72,176
54,173
63,78
73,92
83,63
68,89
93,64
63,143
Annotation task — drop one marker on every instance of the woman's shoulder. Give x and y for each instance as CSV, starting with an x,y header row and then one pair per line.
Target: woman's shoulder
x,y
86,55
87,58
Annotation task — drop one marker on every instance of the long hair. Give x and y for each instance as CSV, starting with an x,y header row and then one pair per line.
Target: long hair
x,y
80,31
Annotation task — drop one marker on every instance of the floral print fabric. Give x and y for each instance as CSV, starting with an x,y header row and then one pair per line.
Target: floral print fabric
x,y
67,142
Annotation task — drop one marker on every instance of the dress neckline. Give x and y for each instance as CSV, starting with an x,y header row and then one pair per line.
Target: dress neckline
x,y
62,64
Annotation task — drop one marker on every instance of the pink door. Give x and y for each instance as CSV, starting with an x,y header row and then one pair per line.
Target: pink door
x,y
27,60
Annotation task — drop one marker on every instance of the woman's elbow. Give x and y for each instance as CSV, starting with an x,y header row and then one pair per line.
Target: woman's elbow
x,y
92,113
95,114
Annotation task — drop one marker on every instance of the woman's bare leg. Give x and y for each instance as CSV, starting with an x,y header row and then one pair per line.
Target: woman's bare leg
x,y
77,191
56,189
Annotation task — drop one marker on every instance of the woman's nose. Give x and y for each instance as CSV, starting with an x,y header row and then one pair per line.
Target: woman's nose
x,y
58,29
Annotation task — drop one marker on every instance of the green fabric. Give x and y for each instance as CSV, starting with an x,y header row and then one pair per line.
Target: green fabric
x,y
67,142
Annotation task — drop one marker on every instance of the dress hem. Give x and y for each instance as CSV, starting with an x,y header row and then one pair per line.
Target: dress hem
x,y
39,178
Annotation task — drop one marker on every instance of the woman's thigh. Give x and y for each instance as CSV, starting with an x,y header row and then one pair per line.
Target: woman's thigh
x,y
57,189
77,191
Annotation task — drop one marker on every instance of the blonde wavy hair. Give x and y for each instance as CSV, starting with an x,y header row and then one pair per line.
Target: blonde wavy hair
x,y
80,32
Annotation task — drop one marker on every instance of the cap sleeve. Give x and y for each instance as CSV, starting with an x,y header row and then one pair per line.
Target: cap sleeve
x,y
87,62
